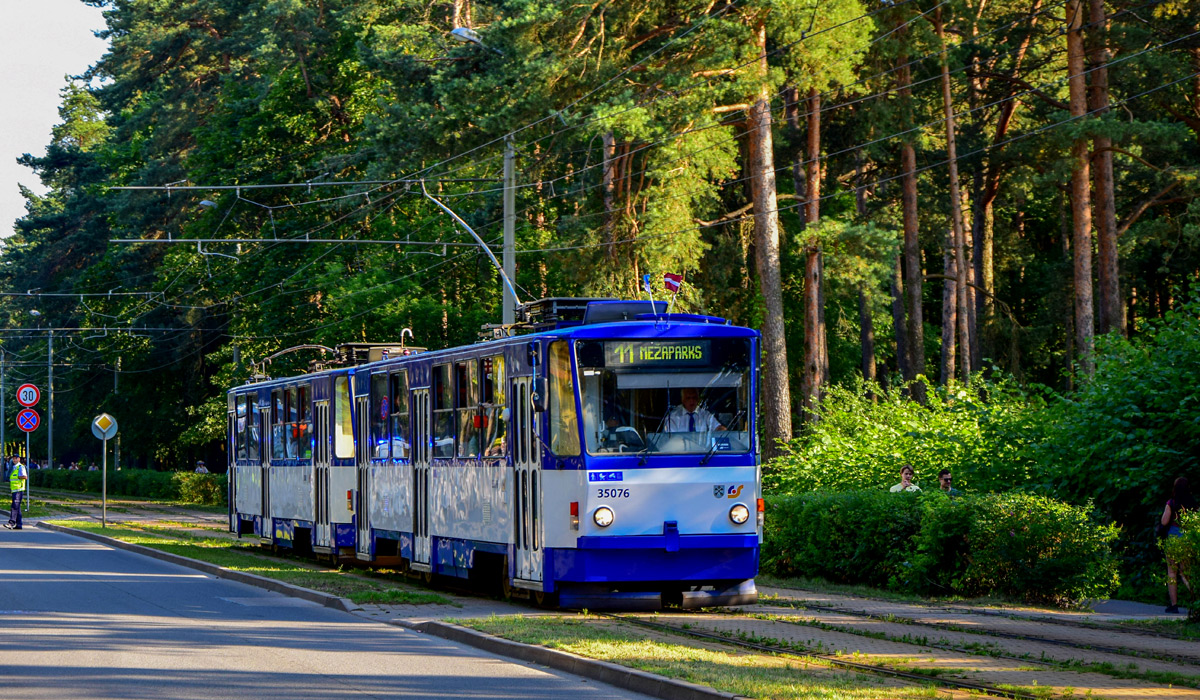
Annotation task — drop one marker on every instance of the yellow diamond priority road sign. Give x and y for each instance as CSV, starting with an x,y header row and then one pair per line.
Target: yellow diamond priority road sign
x,y
104,426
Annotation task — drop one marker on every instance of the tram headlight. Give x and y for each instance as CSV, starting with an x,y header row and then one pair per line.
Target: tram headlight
x,y
739,514
603,516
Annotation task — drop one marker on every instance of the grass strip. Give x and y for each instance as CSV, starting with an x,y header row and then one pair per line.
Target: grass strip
x,y
748,674
222,552
1180,628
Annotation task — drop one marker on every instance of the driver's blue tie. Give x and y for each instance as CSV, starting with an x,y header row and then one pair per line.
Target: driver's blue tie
x,y
691,422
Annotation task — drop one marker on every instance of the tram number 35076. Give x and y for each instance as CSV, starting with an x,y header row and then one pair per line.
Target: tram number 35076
x,y
612,493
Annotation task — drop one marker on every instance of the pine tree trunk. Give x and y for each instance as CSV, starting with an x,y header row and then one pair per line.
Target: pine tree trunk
x,y
791,112
949,311
956,215
866,336
913,275
1109,316
609,145
1081,210
899,327
777,418
813,371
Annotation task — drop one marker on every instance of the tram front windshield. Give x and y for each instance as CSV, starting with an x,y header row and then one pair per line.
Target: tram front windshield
x,y
665,397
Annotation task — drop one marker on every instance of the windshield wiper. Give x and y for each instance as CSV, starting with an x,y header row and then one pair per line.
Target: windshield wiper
x,y
708,455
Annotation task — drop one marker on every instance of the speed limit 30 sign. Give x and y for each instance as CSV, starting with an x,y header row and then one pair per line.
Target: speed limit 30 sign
x,y
28,395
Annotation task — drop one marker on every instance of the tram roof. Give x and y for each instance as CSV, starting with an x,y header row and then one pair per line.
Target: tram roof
x,y
643,327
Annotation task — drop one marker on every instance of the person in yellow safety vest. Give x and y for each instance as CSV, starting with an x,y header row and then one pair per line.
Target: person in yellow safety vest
x,y
17,479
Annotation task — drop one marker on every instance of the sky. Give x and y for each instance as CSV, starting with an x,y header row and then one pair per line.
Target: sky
x,y
41,42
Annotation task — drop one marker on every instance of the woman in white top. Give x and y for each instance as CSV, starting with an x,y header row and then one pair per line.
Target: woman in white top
x,y
906,480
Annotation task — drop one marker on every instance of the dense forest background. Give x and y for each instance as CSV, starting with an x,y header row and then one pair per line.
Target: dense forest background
x,y
904,193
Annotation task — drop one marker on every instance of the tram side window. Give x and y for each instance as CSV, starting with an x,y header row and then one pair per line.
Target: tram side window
x,y
253,439
380,410
443,413
564,421
466,375
303,427
278,425
399,392
495,425
343,425
292,416
240,428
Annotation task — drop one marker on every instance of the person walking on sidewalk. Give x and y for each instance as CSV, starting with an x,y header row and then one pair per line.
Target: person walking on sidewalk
x,y
17,479
1181,500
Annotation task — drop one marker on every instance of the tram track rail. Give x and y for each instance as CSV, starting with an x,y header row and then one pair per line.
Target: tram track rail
x,y
831,659
983,632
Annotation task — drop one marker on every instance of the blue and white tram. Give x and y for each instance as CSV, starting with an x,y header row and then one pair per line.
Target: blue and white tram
x,y
610,461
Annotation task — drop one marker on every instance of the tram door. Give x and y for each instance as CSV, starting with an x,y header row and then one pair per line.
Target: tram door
x,y
528,529
422,451
267,535
362,493
321,460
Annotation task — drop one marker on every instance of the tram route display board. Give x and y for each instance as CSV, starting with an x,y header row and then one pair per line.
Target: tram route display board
x,y
636,353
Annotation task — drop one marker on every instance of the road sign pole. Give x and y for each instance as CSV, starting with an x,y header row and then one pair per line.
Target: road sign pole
x,y
104,488
28,469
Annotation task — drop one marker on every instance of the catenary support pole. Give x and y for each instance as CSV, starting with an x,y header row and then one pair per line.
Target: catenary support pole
x,y
510,223
49,400
3,415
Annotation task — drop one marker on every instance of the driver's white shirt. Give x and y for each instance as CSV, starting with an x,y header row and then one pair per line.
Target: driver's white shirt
x,y
677,420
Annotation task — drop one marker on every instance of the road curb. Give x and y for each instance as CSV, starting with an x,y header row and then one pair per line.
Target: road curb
x,y
329,601
603,671
613,674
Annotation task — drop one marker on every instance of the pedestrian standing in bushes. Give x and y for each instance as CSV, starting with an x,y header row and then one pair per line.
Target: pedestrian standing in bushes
x,y
1181,500
906,480
946,484
201,467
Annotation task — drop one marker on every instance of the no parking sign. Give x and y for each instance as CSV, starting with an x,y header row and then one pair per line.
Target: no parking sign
x,y
28,420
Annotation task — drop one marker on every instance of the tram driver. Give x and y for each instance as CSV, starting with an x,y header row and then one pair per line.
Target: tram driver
x,y
688,416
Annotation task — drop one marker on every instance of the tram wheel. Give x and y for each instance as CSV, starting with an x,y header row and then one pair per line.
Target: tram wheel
x,y
545,600
427,577
506,588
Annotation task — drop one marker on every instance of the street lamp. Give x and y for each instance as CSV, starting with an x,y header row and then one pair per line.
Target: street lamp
x,y
470,36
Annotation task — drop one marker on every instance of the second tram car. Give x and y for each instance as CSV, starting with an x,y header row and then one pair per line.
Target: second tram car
x,y
606,459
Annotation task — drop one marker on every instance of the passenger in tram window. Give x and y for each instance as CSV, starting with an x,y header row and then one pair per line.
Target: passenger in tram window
x,y
690,417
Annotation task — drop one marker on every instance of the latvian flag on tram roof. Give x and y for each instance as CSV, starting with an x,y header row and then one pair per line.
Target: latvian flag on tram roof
x,y
672,282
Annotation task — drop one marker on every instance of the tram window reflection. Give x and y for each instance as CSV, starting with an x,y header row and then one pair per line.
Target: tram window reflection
x,y
343,425
303,425
466,377
494,407
253,438
240,427
278,425
443,413
380,413
564,421
400,438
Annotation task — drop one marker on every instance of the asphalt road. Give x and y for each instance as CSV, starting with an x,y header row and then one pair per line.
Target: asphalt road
x,y
81,620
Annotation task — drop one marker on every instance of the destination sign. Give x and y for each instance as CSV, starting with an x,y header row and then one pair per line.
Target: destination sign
x,y
683,353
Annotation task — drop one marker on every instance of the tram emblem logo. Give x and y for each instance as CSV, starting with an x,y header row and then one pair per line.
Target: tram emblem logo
x,y
731,491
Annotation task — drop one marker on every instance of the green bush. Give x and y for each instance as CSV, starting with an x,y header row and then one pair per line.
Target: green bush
x,y
1185,552
184,487
1015,545
204,489
1020,546
862,440
1123,438
845,537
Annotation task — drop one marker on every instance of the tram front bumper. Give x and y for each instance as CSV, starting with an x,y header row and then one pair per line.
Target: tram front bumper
x,y
686,559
